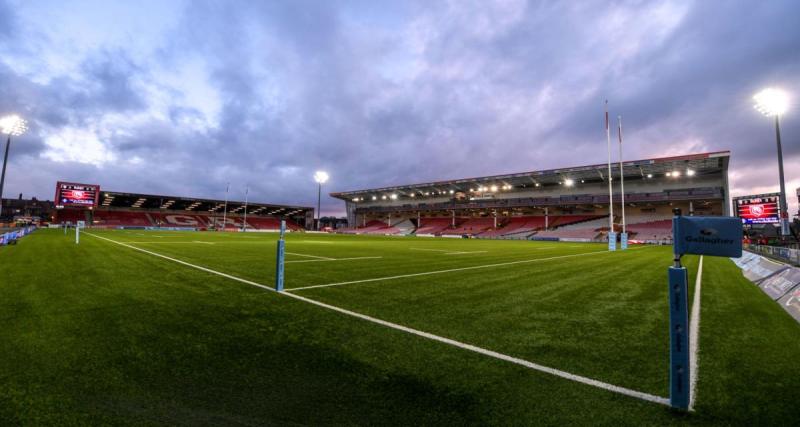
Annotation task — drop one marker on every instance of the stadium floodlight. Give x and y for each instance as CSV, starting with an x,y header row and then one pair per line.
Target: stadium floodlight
x,y
569,182
771,102
493,188
12,125
649,175
412,195
676,174
320,177
690,172
393,197
374,197
537,184
775,102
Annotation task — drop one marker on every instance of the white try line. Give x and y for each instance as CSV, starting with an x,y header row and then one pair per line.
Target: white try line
x,y
469,347
448,252
694,335
449,270
311,256
334,259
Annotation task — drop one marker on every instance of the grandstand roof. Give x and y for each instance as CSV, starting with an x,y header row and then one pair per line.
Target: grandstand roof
x,y
115,199
700,164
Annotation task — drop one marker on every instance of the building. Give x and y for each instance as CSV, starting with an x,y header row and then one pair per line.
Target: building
x,y
538,203
114,209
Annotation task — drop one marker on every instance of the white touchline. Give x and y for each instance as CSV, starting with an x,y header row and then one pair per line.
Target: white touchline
x,y
334,259
694,334
517,361
194,242
310,256
449,270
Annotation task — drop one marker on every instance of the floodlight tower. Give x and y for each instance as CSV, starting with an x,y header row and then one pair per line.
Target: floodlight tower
x,y
775,102
320,177
9,125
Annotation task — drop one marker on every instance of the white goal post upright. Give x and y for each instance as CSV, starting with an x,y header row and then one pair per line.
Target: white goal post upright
x,y
623,237
225,210
612,236
244,222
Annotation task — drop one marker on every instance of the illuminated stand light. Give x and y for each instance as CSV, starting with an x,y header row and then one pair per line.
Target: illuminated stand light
x,y
12,125
775,102
320,177
569,182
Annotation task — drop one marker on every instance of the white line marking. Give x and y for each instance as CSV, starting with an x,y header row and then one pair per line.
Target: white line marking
x,y
194,242
311,256
535,366
334,259
466,253
448,252
694,334
449,270
207,270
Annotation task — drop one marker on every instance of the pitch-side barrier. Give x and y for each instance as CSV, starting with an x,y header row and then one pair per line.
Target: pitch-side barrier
x,y
11,237
781,282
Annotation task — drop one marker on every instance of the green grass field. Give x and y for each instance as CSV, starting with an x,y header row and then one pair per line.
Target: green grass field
x,y
101,333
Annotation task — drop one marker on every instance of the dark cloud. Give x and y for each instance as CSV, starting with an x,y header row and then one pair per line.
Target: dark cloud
x,y
409,92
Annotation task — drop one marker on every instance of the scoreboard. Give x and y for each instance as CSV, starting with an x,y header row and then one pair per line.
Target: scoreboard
x,y
78,195
758,209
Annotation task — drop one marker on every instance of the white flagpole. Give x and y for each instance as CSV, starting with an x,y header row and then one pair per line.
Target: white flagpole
x,y
225,211
246,190
610,189
621,177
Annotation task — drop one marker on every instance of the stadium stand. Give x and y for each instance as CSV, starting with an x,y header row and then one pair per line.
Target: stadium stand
x,y
574,200
105,218
434,226
517,226
471,227
653,231
107,209
373,227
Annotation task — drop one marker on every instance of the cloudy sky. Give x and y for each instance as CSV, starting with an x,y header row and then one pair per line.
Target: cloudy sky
x,y
181,97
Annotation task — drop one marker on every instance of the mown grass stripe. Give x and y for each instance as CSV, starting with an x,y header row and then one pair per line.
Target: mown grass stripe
x,y
449,270
480,350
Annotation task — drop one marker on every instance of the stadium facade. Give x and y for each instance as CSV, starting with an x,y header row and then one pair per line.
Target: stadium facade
x,y
565,203
114,209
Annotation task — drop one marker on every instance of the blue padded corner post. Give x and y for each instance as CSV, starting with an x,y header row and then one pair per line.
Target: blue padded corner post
x,y
279,259
679,381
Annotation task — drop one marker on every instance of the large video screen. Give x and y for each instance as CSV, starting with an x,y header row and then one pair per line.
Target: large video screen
x,y
762,209
70,194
